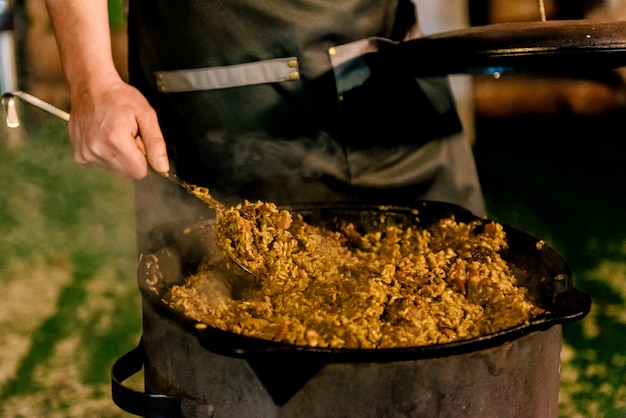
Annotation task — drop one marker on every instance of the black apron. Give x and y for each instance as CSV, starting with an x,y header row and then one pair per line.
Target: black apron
x,y
269,99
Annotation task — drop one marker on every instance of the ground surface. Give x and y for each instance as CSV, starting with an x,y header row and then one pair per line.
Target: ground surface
x,y
564,179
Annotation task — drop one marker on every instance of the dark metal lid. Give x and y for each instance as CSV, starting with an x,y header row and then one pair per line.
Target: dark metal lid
x,y
559,46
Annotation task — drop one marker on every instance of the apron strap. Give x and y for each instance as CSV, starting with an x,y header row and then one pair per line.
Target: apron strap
x,y
259,72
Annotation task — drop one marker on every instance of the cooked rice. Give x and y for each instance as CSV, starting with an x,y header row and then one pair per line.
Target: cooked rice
x,y
342,289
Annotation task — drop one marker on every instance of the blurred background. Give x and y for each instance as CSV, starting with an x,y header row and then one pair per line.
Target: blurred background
x,y
549,156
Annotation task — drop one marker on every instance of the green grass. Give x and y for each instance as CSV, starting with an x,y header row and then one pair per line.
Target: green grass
x,y
67,256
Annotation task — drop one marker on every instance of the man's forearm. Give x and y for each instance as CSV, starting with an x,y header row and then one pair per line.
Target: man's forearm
x,y
82,32
112,123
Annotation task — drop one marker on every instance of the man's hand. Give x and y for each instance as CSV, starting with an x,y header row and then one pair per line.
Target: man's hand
x,y
114,127
112,124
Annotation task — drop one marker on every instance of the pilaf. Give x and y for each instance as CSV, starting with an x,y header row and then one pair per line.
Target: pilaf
x,y
341,288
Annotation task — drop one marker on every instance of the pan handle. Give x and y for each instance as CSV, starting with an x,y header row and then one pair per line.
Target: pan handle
x,y
147,404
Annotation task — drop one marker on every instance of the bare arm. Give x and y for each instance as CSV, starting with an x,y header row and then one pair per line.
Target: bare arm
x,y
111,125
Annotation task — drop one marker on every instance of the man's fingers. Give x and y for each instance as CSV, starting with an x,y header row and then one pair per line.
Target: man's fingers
x,y
117,128
140,145
154,146
122,155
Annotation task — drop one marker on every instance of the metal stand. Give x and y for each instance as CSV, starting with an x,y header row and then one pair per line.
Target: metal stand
x,y
8,67
8,71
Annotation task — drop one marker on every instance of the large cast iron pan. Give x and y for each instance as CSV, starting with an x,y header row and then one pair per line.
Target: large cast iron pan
x,y
179,248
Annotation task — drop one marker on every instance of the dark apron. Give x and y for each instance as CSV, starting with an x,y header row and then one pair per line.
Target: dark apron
x,y
269,100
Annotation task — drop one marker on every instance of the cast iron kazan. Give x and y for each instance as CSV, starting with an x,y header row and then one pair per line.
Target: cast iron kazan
x,y
285,369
